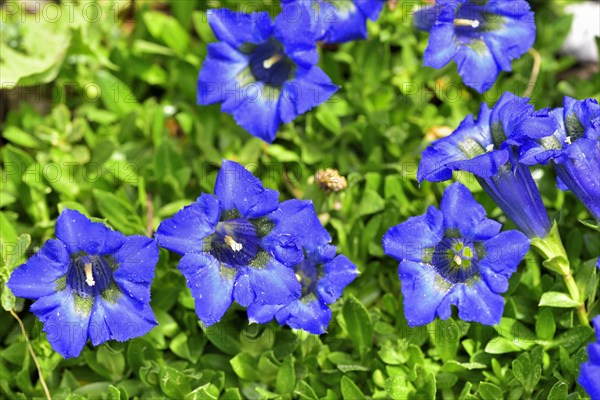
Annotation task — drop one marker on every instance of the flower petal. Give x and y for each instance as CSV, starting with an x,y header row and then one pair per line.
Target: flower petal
x,y
441,47
255,108
297,36
462,212
236,188
121,319
339,273
475,302
312,316
37,277
273,283
218,77
504,252
237,28
262,313
79,233
211,285
476,65
66,328
423,291
136,261
296,226
308,89
408,240
185,231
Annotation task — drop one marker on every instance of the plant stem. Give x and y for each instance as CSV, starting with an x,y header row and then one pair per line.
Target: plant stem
x,y
552,249
35,360
535,71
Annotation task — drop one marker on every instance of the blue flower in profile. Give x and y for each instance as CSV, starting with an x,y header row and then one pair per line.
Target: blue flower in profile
x,y
240,244
455,256
323,277
336,21
590,370
90,282
487,148
569,139
263,72
482,37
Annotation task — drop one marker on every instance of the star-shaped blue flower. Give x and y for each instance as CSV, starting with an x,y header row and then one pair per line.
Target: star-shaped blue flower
x,y
590,370
481,36
568,138
488,149
323,277
240,244
455,256
337,21
263,72
90,282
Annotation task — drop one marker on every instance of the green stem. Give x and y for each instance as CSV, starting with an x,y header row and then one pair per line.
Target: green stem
x,y
552,249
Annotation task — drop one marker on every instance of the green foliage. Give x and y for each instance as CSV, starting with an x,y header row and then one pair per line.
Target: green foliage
x,y
102,117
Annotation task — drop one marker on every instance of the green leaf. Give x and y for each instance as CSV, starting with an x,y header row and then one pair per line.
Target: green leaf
x,y
244,366
574,338
167,29
558,300
398,387
358,324
350,390
305,391
500,345
111,360
113,393
36,61
115,94
545,326
174,383
119,212
286,376
559,391
489,391
204,392
370,203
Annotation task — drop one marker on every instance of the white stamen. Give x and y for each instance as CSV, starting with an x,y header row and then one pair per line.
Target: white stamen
x,y
268,63
89,278
457,259
568,140
235,246
473,23
489,147
299,278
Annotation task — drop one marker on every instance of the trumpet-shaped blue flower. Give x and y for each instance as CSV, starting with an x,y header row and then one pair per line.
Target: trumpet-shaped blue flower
x,y
590,370
263,72
481,36
455,256
323,277
568,138
336,21
240,244
487,148
90,282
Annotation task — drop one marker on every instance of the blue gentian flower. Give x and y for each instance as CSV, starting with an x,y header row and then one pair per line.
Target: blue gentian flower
x,y
487,149
323,277
90,282
455,256
263,72
336,21
569,139
240,244
481,36
590,370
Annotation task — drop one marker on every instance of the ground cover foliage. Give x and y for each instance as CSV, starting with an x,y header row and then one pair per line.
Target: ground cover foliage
x,y
103,119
